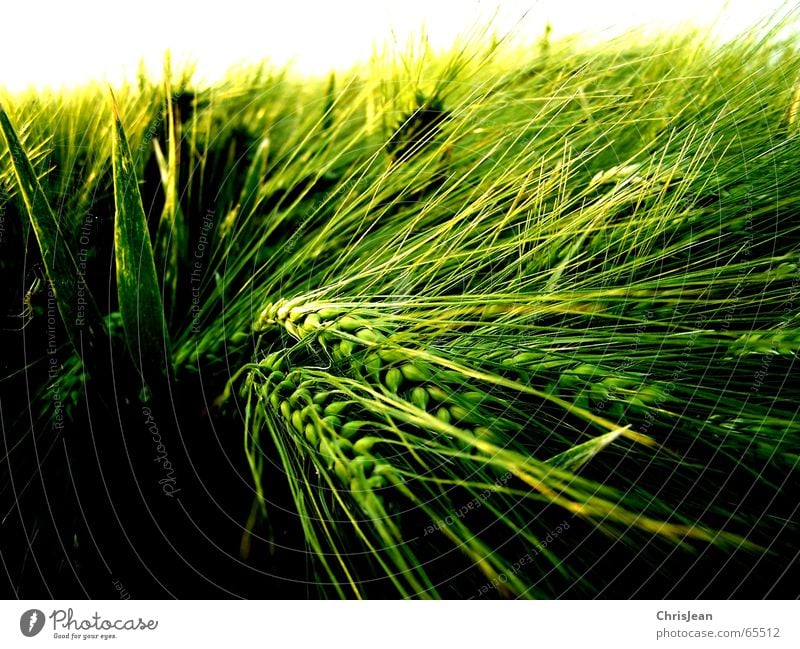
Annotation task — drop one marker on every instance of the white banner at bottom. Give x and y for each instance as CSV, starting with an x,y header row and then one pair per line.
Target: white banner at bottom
x,y
406,624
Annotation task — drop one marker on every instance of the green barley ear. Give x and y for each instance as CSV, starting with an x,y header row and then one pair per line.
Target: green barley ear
x,y
418,128
75,303
137,285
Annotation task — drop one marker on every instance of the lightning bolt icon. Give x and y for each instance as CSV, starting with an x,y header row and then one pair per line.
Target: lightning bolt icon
x,y
32,620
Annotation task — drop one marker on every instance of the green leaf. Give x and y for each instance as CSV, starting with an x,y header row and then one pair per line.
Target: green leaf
x,y
140,302
577,456
75,303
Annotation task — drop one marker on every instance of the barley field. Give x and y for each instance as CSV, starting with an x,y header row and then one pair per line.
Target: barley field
x,y
496,322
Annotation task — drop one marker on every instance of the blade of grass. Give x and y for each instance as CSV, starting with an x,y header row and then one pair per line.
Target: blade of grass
x,y
577,456
137,285
171,236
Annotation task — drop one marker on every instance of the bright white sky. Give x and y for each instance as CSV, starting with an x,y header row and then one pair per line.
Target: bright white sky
x,y
63,42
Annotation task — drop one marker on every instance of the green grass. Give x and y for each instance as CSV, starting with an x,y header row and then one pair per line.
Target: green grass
x,y
454,300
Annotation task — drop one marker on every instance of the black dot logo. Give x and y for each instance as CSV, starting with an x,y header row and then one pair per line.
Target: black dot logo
x,y
31,622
